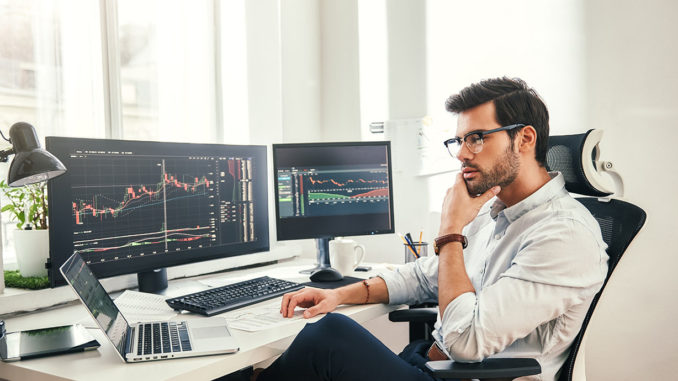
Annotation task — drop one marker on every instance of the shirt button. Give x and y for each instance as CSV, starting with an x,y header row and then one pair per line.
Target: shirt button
x,y
460,330
497,236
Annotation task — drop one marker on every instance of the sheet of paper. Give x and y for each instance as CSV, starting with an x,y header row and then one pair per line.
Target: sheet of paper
x,y
260,318
142,306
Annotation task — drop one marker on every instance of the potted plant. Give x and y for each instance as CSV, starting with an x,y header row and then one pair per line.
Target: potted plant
x,y
27,207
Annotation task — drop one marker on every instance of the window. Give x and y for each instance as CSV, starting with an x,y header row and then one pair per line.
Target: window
x,y
167,70
50,67
50,73
136,69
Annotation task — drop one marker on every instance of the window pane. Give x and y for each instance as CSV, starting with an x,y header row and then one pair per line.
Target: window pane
x,y
50,74
167,70
50,66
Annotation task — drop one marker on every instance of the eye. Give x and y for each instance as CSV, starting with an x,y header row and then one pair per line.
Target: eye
x,y
474,139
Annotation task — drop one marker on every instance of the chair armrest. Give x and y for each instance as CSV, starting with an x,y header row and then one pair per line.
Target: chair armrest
x,y
489,368
416,315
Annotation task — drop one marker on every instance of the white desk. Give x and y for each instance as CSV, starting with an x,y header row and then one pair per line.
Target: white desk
x,y
105,364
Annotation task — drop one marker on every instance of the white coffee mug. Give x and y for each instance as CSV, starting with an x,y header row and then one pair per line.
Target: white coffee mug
x,y
345,255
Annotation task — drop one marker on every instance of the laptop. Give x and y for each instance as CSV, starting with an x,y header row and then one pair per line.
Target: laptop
x,y
147,341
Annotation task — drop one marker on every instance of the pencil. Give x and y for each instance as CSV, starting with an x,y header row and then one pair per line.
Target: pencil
x,y
421,233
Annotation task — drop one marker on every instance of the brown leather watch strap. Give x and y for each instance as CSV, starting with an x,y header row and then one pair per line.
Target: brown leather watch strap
x,y
439,242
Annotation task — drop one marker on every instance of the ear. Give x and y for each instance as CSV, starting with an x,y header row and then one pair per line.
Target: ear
x,y
527,139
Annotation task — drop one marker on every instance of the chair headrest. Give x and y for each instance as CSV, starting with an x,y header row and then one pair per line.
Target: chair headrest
x,y
576,157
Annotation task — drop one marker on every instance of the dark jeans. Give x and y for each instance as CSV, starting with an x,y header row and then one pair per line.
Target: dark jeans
x,y
337,348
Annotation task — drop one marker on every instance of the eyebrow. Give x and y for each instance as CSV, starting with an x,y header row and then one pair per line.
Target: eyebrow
x,y
470,133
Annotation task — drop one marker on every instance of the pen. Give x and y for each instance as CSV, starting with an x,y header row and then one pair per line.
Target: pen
x,y
408,238
408,245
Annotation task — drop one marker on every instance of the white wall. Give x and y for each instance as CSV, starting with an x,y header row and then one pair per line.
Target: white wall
x,y
264,71
632,61
612,63
301,70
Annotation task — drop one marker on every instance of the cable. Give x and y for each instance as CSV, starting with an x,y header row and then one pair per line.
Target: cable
x,y
3,136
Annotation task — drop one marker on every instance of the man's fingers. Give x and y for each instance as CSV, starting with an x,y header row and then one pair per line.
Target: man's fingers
x,y
317,309
311,312
485,197
283,304
286,301
294,300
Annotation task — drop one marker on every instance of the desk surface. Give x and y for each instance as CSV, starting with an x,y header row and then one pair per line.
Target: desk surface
x,y
105,364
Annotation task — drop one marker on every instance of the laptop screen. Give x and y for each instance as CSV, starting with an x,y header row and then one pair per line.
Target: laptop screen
x,y
96,299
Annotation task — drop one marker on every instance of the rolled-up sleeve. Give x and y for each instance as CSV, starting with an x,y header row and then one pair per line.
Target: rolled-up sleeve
x,y
550,273
413,283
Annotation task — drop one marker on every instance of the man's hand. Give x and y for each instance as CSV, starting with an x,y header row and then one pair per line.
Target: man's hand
x,y
316,301
459,208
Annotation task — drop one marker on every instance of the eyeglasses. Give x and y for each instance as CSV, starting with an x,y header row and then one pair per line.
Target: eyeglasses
x,y
474,140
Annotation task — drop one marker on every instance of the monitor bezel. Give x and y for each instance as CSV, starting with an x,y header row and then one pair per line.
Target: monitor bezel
x,y
335,233
59,252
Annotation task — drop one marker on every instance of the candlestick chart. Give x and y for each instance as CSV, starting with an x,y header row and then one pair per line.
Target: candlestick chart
x,y
336,191
126,207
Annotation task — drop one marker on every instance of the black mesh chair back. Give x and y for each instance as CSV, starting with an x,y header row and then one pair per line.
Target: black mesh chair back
x,y
619,221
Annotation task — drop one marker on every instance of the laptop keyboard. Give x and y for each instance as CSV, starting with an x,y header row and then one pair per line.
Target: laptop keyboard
x,y
166,337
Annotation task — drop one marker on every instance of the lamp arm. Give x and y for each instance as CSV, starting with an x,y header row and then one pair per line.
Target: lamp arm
x,y
4,154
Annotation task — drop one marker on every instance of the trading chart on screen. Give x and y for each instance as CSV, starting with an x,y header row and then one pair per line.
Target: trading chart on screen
x,y
127,205
326,191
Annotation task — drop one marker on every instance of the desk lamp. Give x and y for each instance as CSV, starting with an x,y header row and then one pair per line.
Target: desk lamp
x,y
31,164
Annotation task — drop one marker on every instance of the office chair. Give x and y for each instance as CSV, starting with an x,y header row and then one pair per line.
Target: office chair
x,y
577,158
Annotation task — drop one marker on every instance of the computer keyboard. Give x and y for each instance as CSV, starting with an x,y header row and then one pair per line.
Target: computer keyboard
x,y
226,298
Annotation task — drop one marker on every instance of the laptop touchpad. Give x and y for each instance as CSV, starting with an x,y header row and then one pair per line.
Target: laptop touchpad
x,y
210,332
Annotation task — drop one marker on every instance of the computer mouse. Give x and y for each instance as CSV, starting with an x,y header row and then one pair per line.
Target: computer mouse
x,y
326,274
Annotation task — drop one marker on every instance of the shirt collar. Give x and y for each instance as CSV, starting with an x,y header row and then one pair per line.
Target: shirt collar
x,y
552,189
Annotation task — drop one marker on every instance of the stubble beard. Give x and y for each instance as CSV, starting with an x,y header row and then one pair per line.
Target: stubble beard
x,y
502,174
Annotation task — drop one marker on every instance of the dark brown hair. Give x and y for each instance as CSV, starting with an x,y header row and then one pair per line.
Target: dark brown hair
x,y
514,102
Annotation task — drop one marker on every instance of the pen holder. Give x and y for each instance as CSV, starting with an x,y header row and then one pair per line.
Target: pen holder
x,y
421,248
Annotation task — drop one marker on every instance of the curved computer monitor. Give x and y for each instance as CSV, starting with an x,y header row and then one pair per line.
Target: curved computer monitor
x,y
326,190
137,206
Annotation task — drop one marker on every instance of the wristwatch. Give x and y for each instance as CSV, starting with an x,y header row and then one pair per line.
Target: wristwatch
x,y
441,241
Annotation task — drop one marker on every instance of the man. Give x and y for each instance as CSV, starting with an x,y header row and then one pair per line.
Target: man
x,y
513,277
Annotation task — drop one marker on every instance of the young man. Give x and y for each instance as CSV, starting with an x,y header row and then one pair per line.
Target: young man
x,y
513,277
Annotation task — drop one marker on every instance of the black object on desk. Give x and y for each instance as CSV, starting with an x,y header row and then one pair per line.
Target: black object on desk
x,y
330,285
326,274
23,345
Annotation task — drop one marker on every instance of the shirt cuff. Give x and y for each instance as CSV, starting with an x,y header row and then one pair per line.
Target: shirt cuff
x,y
457,317
396,286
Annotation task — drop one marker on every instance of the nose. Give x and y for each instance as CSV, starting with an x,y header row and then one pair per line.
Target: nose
x,y
464,153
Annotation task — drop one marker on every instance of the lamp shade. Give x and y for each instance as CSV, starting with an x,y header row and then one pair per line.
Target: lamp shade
x,y
31,164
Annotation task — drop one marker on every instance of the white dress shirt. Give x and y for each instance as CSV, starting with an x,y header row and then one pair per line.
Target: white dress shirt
x,y
535,267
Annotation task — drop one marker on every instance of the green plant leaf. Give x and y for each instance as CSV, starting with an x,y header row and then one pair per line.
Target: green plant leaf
x,y
32,212
32,197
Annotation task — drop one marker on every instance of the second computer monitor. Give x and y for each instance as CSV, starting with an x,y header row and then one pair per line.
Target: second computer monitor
x,y
326,190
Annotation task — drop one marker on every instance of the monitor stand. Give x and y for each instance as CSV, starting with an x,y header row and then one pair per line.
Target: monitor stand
x,y
323,255
153,281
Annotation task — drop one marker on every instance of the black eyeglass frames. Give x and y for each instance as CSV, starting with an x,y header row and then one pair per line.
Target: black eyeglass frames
x,y
474,140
